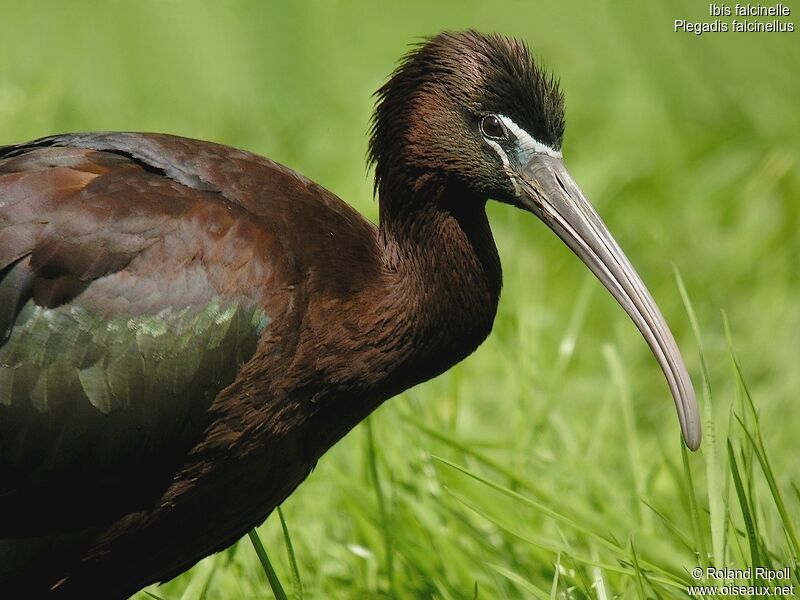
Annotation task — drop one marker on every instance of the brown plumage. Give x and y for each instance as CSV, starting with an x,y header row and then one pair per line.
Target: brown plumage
x,y
185,328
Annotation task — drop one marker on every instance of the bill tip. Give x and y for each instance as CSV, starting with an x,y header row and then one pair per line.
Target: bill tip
x,y
693,436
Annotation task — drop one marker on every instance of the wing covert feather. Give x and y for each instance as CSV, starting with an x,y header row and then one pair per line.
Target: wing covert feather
x,y
128,300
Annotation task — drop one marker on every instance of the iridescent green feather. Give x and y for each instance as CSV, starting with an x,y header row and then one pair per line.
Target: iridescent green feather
x,y
66,355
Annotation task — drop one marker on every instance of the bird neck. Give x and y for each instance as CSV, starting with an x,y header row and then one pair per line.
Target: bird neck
x,y
445,274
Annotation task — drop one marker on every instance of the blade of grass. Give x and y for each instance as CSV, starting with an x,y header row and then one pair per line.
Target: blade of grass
x,y
717,492
272,577
679,535
553,547
520,581
532,503
599,582
638,573
631,432
382,510
554,585
788,527
744,505
693,510
758,446
298,584
515,481
609,544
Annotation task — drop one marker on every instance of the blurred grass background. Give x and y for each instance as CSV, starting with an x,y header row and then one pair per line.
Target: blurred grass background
x,y
688,146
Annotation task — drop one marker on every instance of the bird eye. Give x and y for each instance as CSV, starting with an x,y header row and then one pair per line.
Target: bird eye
x,y
492,127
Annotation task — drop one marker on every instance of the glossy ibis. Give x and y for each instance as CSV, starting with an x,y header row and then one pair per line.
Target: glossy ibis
x,y
185,328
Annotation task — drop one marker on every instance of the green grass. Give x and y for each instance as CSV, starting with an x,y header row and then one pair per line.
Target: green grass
x,y
548,464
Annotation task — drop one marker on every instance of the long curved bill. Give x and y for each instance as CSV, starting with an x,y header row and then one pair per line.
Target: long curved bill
x,y
548,190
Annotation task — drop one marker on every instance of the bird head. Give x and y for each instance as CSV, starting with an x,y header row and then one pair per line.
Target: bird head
x,y
476,113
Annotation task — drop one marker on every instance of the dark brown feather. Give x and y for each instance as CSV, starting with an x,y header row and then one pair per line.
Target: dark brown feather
x,y
110,224
331,316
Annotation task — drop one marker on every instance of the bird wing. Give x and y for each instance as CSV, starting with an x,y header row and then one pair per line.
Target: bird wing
x,y
137,275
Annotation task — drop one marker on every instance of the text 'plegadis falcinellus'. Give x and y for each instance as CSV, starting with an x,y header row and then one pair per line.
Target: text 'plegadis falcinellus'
x,y
185,328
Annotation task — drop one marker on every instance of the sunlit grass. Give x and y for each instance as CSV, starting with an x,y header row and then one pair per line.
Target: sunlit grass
x,y
451,518
560,527
548,464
